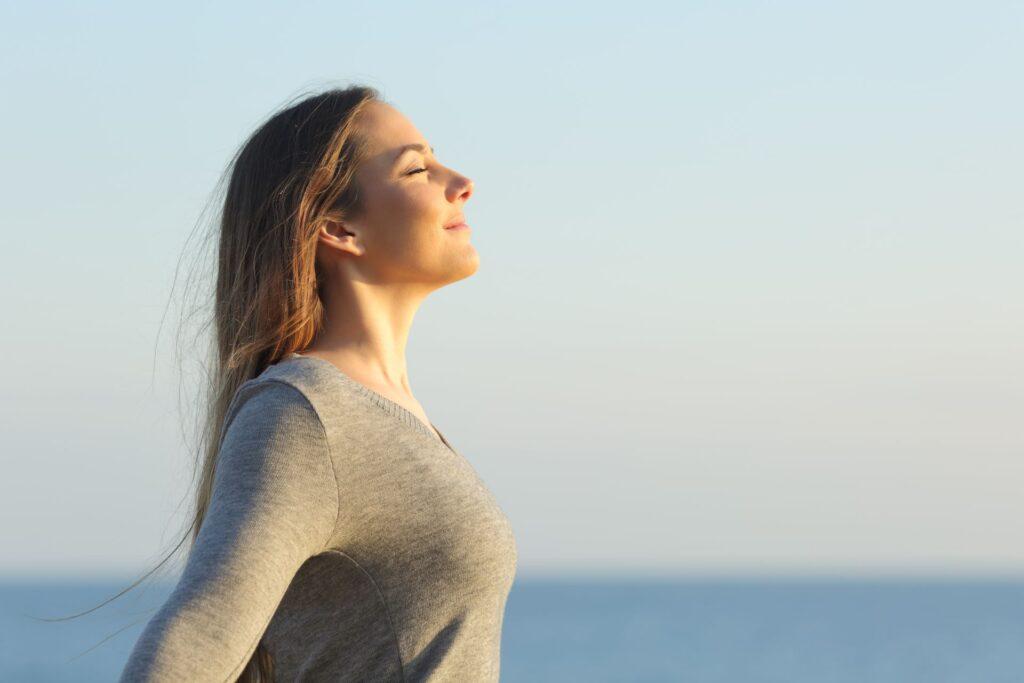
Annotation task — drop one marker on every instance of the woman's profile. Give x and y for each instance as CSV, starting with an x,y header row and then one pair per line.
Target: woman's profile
x,y
337,535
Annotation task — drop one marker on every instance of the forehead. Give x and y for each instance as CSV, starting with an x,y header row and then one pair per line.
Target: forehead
x,y
387,131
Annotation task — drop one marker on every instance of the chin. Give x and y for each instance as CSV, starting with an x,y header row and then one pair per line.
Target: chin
x,y
464,267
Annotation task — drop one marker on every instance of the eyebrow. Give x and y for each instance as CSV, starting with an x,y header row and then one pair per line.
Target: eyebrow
x,y
417,146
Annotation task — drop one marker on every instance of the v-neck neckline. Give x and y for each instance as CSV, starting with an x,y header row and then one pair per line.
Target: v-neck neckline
x,y
392,407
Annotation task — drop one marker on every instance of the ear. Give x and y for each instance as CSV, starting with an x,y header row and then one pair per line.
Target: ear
x,y
339,236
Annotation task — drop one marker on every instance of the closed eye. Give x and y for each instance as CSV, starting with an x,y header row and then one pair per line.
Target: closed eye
x,y
416,170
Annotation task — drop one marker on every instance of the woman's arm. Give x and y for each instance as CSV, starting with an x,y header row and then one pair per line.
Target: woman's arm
x,y
274,505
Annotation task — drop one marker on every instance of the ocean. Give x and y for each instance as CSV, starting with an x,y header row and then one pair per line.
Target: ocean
x,y
752,630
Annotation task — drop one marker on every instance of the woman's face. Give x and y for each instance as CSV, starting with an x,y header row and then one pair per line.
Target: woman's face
x,y
408,197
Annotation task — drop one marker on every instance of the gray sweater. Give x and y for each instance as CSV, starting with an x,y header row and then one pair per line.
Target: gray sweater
x,y
344,532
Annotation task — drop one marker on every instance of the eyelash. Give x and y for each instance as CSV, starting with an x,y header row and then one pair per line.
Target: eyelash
x,y
415,171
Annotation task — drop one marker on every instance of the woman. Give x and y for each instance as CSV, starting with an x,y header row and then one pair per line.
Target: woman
x,y
338,535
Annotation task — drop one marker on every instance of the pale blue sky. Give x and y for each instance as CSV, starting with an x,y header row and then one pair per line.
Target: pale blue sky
x,y
750,286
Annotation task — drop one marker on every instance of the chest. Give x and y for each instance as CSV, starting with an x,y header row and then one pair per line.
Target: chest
x,y
416,513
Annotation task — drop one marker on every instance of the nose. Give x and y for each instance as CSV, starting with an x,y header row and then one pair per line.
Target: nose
x,y
463,188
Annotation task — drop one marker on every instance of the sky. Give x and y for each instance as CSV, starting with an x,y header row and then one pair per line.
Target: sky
x,y
749,300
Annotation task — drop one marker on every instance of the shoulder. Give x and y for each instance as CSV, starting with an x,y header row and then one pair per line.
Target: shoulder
x,y
291,386
269,403
274,450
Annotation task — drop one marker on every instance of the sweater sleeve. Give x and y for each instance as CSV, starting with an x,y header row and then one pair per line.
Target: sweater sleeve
x,y
274,505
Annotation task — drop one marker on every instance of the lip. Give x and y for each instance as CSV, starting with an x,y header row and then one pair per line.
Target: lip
x,y
457,226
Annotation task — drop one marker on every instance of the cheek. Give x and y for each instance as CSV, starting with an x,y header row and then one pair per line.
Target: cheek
x,y
409,230
412,207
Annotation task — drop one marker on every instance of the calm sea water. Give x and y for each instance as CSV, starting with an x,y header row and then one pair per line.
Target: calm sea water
x,y
749,631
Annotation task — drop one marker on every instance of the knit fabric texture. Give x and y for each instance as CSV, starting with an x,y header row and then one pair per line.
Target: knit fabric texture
x,y
343,532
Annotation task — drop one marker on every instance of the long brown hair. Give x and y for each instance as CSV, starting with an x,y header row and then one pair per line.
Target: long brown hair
x,y
293,173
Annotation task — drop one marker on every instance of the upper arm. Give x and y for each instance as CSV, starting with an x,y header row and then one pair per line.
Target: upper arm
x,y
274,505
